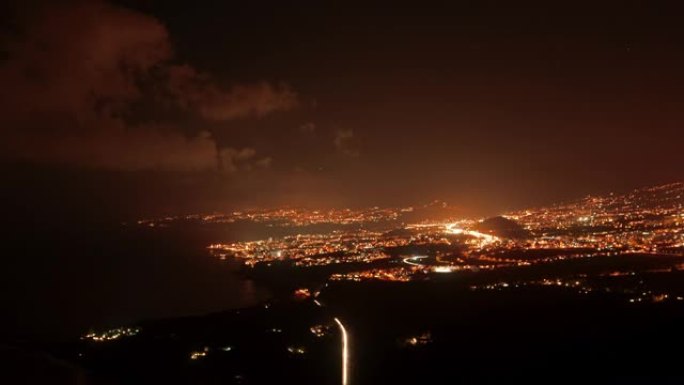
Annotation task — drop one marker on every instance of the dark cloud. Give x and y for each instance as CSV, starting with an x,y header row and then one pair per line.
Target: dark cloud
x,y
76,70
344,142
479,104
307,128
232,160
197,91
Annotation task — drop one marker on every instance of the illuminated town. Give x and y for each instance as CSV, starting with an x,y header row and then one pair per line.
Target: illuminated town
x,y
341,193
287,217
647,221
620,251
111,335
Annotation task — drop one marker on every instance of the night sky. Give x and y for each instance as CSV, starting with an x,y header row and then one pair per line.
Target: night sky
x,y
139,108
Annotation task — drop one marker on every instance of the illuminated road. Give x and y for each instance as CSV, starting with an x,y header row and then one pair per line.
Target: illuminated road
x,y
414,260
345,352
486,238
345,347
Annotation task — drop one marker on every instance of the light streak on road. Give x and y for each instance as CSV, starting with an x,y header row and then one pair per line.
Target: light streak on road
x,y
345,348
345,352
414,260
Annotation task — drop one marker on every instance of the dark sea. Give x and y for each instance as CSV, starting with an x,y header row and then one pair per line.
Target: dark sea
x,y
59,282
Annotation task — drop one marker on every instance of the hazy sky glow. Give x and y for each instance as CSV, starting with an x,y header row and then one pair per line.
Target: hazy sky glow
x,y
154,107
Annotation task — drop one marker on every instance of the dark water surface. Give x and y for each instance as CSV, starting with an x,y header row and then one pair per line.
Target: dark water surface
x,y
59,282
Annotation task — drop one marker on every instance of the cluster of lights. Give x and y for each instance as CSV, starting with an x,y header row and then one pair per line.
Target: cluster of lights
x,y
396,274
204,352
112,334
419,340
542,282
296,350
646,220
649,296
308,250
198,354
320,330
302,293
287,217
633,295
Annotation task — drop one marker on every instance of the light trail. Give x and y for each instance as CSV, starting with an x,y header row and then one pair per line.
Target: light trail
x,y
413,260
345,353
